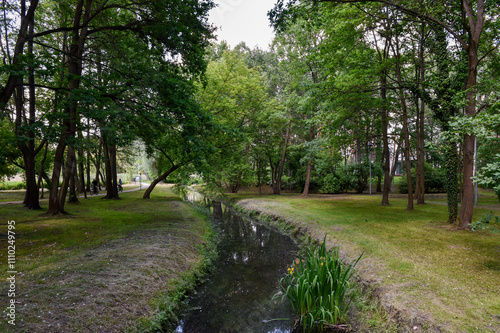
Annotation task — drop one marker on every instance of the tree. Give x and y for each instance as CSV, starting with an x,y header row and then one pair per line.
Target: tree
x,y
234,95
77,37
463,20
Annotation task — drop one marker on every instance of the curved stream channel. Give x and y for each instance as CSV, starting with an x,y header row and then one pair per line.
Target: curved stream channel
x,y
237,296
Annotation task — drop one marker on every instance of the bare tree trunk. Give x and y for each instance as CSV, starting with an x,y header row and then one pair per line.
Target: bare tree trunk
x,y
157,180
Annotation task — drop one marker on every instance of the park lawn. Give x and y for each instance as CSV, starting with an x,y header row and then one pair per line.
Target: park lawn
x,y
12,195
110,265
18,195
424,271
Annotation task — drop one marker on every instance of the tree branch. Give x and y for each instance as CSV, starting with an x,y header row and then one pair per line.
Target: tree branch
x,y
411,12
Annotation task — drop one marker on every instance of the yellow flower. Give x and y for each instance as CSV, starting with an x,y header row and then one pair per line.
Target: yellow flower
x,y
290,270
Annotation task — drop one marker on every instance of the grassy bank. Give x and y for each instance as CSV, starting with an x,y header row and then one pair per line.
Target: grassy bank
x,y
427,276
109,266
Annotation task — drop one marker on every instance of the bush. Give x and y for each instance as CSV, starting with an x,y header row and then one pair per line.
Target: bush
x,y
360,173
435,181
288,183
487,221
317,287
332,184
489,176
8,186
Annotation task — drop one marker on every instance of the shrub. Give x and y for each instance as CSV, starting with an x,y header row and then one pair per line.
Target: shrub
x,y
331,184
435,180
488,221
360,173
489,176
11,185
317,287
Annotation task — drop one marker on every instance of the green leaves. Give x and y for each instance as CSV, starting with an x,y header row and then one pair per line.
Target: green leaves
x,y
318,286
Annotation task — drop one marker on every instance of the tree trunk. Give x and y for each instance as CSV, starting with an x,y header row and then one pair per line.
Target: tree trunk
x,y
98,164
89,181
110,163
9,88
279,168
54,207
452,186
67,175
305,193
27,149
467,207
396,161
157,180
385,139
73,198
74,61
81,161
41,172
406,132
421,124
31,199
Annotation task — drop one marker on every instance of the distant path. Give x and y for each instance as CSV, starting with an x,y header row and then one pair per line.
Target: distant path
x,y
81,196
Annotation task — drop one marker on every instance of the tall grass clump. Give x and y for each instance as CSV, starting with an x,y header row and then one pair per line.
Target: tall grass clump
x,y
317,287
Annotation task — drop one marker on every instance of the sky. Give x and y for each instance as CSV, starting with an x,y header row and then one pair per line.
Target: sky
x,y
243,20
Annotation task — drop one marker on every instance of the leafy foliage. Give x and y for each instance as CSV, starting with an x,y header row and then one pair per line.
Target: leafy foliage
x,y
488,221
489,175
435,180
318,287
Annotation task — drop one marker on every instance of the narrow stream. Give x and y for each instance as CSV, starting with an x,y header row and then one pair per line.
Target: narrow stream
x,y
237,297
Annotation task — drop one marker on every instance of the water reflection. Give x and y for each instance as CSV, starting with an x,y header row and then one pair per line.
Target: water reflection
x,y
237,296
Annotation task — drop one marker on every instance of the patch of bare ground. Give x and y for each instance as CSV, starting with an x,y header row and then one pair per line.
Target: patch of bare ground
x,y
105,289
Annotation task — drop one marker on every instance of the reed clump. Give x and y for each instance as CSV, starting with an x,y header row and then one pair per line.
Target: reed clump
x,y
317,285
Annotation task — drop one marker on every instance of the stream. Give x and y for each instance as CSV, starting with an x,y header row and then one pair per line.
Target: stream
x,y
237,296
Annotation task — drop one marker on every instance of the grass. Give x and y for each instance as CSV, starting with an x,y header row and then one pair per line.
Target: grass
x,y
106,265
18,195
435,277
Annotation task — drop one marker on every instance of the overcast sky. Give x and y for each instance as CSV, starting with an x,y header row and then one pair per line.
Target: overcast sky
x,y
243,20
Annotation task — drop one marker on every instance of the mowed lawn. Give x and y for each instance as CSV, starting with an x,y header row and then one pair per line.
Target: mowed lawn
x,y
108,266
425,271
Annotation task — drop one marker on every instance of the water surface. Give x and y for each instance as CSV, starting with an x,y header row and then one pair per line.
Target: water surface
x,y
237,297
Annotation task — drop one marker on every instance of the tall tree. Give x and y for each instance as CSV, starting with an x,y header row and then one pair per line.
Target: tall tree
x,y
162,25
464,21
